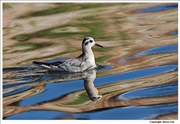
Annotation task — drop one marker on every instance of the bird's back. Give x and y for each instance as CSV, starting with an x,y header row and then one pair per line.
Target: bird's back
x,y
78,64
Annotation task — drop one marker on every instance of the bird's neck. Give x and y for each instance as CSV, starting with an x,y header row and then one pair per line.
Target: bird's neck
x,y
89,54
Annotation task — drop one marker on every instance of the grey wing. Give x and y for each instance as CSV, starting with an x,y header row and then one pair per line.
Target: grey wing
x,y
57,63
73,65
69,65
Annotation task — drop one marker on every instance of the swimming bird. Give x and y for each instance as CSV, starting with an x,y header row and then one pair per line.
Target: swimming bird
x,y
81,63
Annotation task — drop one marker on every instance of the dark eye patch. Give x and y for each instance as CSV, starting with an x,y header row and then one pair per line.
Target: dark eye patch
x,y
91,41
86,43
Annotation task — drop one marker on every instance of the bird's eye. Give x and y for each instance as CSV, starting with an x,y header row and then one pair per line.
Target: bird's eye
x,y
90,41
86,43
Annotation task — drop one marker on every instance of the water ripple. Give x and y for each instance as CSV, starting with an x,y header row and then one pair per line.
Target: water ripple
x,y
158,50
36,115
174,32
141,73
17,91
128,113
58,89
158,8
152,51
155,91
122,113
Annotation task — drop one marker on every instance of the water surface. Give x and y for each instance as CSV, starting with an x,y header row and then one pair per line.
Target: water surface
x,y
138,67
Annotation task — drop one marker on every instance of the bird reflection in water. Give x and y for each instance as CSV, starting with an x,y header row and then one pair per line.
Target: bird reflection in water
x,y
88,77
91,90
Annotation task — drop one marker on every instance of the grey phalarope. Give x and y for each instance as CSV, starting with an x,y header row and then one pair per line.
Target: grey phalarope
x,y
81,63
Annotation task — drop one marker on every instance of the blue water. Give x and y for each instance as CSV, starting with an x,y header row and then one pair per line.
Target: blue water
x,y
152,51
155,91
22,89
53,91
130,113
56,90
141,73
57,86
25,82
120,113
36,115
158,50
159,8
174,32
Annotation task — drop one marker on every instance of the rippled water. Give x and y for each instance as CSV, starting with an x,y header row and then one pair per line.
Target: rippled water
x,y
155,50
167,89
159,8
138,68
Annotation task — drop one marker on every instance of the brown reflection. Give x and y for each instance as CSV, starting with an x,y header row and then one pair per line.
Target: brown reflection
x,y
20,96
111,90
169,116
130,33
70,103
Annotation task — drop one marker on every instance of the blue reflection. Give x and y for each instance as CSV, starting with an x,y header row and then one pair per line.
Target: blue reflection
x,y
141,73
57,90
36,115
17,91
6,85
174,32
107,67
158,50
159,8
155,91
131,113
54,91
121,113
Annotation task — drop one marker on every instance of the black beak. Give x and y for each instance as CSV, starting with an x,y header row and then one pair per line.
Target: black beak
x,y
99,45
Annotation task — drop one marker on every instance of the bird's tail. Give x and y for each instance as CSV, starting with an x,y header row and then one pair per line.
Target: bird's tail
x,y
42,64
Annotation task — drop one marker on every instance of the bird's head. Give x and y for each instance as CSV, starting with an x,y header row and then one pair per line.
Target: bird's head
x,y
89,42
